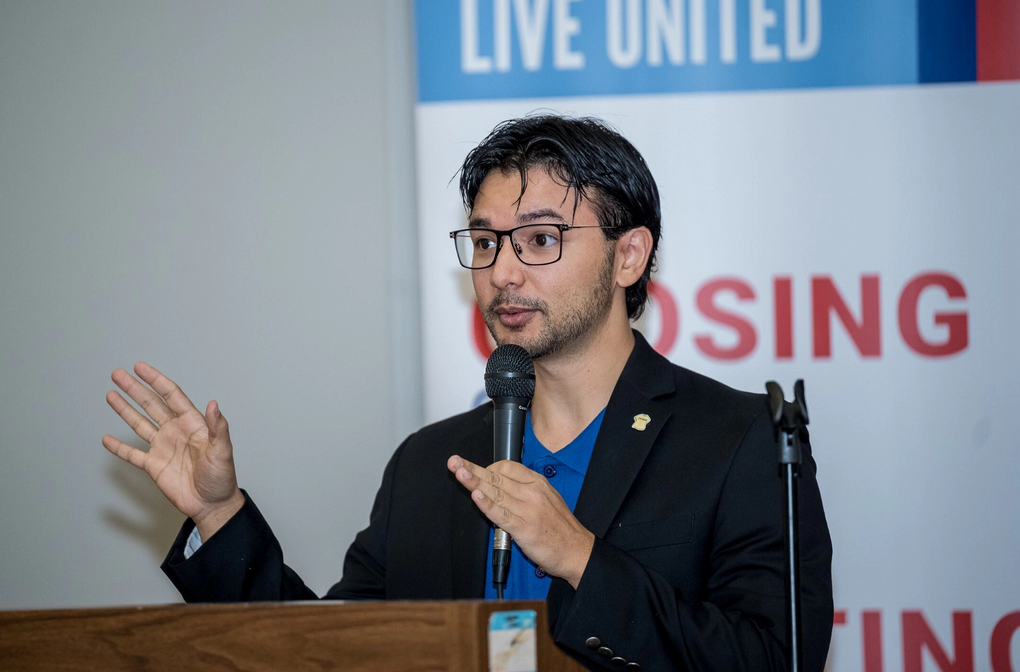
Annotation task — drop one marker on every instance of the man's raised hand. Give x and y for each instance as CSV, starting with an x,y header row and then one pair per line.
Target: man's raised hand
x,y
190,456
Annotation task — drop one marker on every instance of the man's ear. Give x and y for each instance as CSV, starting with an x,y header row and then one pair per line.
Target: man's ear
x,y
632,251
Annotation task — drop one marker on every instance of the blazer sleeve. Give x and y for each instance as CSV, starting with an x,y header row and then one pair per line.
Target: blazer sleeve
x,y
243,561
739,621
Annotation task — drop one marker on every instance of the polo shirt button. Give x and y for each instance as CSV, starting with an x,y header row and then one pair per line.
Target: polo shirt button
x,y
549,471
605,651
618,661
540,573
633,667
593,642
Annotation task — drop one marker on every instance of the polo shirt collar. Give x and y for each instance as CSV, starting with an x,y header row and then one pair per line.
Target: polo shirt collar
x,y
576,454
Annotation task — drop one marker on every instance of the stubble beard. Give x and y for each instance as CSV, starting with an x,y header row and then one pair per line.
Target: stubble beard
x,y
582,314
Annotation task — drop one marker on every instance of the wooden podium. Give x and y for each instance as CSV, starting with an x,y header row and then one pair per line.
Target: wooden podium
x,y
284,637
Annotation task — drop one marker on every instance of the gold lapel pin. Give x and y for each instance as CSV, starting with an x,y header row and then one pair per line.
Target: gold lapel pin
x,y
640,422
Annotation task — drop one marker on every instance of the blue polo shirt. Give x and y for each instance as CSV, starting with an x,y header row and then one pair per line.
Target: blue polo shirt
x,y
565,471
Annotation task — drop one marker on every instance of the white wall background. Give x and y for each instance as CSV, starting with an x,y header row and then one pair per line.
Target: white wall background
x,y
224,190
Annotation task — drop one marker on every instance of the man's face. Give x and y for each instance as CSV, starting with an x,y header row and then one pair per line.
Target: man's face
x,y
545,309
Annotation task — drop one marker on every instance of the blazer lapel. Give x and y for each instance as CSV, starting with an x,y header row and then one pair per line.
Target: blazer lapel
x,y
621,449
469,529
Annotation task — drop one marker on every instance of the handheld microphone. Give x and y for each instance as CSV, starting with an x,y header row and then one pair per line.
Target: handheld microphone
x,y
510,383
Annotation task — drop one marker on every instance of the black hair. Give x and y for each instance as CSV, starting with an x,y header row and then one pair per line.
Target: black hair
x,y
584,154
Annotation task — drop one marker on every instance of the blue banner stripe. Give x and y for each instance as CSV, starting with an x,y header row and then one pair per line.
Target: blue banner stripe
x,y
499,49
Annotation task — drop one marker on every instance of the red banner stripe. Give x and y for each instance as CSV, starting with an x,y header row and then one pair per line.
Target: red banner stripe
x,y
998,43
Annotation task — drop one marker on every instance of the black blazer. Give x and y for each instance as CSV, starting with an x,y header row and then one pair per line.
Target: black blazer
x,y
687,571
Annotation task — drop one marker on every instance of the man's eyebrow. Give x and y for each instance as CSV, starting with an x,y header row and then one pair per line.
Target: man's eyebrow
x,y
544,214
540,215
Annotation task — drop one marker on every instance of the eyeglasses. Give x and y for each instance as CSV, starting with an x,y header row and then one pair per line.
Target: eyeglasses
x,y
534,244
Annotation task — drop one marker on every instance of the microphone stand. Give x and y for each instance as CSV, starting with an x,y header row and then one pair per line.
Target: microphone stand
x,y
790,421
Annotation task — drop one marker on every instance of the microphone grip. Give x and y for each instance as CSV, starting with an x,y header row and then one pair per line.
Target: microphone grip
x,y
508,428
509,415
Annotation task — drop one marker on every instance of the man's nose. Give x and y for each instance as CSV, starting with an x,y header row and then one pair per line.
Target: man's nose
x,y
508,269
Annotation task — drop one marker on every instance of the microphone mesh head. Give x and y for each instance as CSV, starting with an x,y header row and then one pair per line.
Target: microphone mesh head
x,y
510,373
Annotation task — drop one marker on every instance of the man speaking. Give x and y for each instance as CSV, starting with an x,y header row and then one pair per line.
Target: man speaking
x,y
647,509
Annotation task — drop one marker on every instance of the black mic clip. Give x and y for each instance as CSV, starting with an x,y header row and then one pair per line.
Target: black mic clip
x,y
790,420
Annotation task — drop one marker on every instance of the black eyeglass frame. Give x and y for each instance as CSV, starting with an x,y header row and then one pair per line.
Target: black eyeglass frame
x,y
509,234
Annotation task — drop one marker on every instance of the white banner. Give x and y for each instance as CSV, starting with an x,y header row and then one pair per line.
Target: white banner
x,y
864,239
